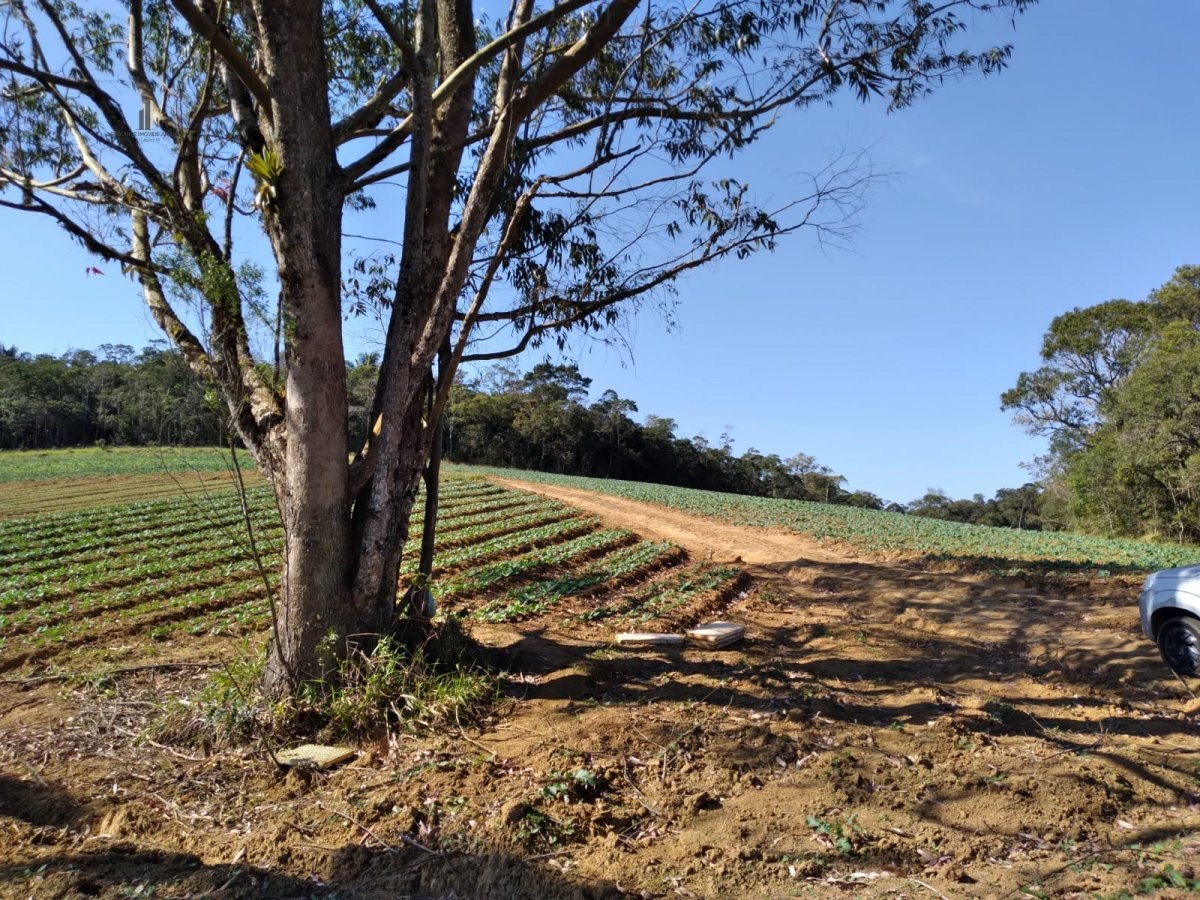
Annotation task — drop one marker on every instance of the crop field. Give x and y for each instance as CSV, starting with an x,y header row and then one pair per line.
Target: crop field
x,y
884,729
169,569
34,483
36,465
893,533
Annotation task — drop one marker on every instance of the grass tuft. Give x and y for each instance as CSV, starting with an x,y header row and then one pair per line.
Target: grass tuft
x,y
381,687
391,684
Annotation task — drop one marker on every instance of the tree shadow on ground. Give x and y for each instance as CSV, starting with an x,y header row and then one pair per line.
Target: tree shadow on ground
x,y
894,645
356,872
38,803
907,634
765,678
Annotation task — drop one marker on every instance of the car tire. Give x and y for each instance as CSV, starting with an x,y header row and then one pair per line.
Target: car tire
x,y
1179,643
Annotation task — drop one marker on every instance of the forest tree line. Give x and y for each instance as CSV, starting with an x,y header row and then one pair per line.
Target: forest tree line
x,y
542,419
1118,395
110,396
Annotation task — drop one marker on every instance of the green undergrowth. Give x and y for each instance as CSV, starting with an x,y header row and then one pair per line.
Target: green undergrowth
x,y
394,683
442,679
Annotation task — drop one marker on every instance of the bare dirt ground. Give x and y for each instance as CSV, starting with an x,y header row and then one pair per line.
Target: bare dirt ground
x,y
884,731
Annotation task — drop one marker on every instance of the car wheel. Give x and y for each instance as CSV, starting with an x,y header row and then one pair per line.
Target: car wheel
x,y
1179,643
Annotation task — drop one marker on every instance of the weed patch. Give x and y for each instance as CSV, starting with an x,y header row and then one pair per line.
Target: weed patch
x,y
381,687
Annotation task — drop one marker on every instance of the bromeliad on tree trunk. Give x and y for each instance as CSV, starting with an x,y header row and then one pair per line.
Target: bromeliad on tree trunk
x,y
554,167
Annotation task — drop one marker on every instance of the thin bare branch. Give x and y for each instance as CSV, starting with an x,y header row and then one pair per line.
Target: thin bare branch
x,y
85,236
160,307
464,336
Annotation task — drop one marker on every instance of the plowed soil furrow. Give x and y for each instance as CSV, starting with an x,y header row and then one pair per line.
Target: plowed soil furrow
x,y
122,531
500,502
453,540
96,564
676,598
466,561
238,593
571,600
75,606
538,564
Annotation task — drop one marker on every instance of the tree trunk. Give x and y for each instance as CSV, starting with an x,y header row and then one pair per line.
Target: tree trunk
x,y
304,225
342,556
382,515
433,472
418,324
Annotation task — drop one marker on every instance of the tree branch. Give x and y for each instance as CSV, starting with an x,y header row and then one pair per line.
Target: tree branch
x,y
498,256
580,54
86,85
160,308
85,236
364,164
370,112
137,73
211,32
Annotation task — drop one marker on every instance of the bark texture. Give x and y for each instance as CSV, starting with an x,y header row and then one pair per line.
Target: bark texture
x,y
304,225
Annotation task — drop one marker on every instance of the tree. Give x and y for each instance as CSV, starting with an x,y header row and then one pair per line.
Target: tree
x,y
550,417
1142,473
1117,398
555,166
1016,508
613,426
1089,353
934,504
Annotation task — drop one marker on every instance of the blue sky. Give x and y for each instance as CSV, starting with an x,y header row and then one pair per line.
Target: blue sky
x,y
1069,179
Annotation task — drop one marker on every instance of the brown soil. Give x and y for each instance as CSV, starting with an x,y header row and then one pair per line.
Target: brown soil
x,y
883,731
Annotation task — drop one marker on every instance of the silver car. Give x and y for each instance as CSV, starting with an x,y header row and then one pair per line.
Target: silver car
x,y
1170,608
